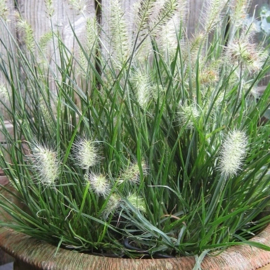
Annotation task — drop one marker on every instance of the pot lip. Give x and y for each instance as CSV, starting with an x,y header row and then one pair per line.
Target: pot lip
x,y
43,255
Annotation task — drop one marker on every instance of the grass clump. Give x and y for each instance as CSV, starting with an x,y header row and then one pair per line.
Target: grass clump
x,y
140,144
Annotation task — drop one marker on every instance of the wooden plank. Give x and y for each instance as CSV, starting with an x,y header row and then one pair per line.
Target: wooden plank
x,y
195,8
7,27
64,14
36,14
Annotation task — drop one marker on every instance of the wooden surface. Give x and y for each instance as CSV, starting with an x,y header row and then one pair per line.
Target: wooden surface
x,y
10,18
36,14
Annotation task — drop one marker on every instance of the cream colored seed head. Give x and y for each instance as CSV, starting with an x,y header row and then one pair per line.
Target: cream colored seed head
x,y
137,202
46,163
132,173
99,184
233,152
112,205
141,86
26,30
85,153
3,9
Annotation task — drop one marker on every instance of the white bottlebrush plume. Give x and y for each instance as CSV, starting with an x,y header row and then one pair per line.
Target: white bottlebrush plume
x,y
167,38
45,40
163,11
91,34
212,14
85,153
3,9
242,51
183,11
150,17
49,7
233,152
99,184
145,51
157,18
132,173
190,47
46,163
27,34
137,202
239,10
112,205
119,34
78,5
142,11
141,85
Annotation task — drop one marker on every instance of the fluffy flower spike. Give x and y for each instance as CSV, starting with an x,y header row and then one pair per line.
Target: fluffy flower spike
x,y
247,53
132,173
49,6
3,9
239,10
78,5
26,31
99,184
140,82
137,202
233,153
120,40
46,163
85,153
212,14
112,205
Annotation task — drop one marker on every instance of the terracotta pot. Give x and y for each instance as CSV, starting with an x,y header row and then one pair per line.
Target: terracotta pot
x,y
33,254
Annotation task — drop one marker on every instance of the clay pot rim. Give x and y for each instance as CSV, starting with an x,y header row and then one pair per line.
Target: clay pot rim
x,y
41,255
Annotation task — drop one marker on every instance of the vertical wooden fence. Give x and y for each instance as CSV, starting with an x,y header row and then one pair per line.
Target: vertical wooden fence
x,y
35,12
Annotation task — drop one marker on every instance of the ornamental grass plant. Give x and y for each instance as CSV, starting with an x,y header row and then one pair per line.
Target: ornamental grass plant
x,y
142,143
